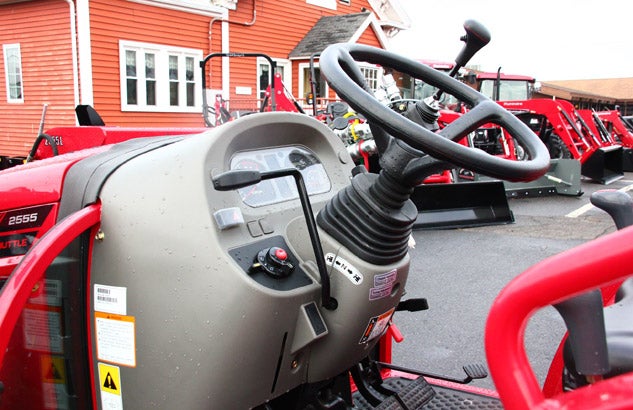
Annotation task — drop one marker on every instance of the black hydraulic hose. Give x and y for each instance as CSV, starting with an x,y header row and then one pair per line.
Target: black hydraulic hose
x,y
37,143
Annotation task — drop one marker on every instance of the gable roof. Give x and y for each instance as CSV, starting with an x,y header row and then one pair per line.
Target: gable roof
x,y
620,89
334,29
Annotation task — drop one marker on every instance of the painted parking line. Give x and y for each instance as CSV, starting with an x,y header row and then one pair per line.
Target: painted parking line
x,y
585,208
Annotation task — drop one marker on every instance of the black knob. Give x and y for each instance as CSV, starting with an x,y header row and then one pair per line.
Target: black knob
x,y
274,261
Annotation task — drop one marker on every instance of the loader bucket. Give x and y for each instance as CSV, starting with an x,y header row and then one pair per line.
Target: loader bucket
x,y
562,178
460,205
627,159
604,165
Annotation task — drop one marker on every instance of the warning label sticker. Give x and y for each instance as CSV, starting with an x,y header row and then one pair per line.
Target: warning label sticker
x,y
376,326
53,369
110,386
116,341
42,329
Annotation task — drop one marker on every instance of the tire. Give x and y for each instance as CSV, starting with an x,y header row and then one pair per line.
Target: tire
x,y
557,148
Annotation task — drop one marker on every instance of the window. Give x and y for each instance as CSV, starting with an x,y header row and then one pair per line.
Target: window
x,y
159,78
371,76
305,87
13,72
508,89
329,4
283,68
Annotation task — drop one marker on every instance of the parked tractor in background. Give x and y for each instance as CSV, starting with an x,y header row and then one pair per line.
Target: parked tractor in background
x,y
612,124
564,131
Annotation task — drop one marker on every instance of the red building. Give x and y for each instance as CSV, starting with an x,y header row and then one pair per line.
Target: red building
x,y
137,61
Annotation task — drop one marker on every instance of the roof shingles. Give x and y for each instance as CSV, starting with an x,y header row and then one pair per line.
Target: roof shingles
x,y
329,30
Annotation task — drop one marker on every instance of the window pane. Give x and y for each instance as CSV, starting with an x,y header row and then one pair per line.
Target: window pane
x,y
173,94
150,66
13,68
150,92
130,63
189,68
191,99
131,91
173,67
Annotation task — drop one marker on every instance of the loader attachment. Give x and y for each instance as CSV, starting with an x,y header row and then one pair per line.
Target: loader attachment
x,y
627,159
462,204
562,178
604,165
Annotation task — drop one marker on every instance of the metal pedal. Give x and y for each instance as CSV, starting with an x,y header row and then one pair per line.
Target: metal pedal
x,y
413,395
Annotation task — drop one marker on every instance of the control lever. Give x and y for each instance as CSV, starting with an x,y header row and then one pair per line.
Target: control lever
x,y
237,179
476,37
426,112
617,204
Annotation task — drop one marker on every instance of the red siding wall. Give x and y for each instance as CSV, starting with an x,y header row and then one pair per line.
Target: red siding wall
x,y
279,27
42,28
115,20
45,45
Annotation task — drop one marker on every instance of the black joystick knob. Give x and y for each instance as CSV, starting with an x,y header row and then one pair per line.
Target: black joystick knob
x,y
274,261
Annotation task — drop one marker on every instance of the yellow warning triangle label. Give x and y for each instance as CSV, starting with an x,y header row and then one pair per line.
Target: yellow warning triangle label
x,y
53,369
110,379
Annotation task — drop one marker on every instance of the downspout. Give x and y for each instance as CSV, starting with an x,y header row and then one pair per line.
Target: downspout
x,y
73,44
84,49
225,43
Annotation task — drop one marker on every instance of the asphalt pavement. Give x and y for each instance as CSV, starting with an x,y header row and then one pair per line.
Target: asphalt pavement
x,y
460,271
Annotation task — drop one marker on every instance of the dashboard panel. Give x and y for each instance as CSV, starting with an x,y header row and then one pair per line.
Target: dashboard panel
x,y
278,190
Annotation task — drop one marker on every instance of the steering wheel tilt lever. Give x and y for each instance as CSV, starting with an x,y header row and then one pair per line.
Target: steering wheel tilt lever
x,y
236,179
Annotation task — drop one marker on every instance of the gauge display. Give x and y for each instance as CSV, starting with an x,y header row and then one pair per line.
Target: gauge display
x,y
277,190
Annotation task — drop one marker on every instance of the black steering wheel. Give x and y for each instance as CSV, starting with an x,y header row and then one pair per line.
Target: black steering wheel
x,y
338,64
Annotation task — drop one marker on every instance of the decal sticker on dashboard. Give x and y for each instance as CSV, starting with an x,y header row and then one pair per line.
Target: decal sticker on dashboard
x,y
344,267
376,326
383,285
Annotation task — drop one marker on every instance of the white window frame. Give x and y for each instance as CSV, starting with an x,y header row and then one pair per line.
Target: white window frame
x,y
302,90
161,74
6,49
373,83
328,4
287,72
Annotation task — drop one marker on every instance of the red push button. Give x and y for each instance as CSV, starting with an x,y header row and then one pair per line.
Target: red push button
x,y
281,254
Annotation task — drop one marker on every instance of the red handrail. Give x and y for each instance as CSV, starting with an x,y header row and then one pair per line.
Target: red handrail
x,y
17,290
588,266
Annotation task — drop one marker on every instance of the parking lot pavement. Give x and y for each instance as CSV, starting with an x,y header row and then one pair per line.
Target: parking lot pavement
x,y
460,271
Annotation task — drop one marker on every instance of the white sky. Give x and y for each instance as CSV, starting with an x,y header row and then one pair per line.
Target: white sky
x,y
546,39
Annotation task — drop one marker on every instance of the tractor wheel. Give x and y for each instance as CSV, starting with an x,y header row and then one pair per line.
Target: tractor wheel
x,y
557,148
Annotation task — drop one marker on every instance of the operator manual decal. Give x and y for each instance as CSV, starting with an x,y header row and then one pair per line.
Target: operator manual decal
x,y
346,268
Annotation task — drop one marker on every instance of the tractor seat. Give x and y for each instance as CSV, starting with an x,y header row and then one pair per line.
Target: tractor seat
x,y
619,331
619,326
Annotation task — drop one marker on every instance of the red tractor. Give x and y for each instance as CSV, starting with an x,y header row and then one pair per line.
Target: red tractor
x,y
190,271
563,129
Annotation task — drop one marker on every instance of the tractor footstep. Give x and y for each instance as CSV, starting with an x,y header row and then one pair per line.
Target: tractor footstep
x,y
476,371
412,396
